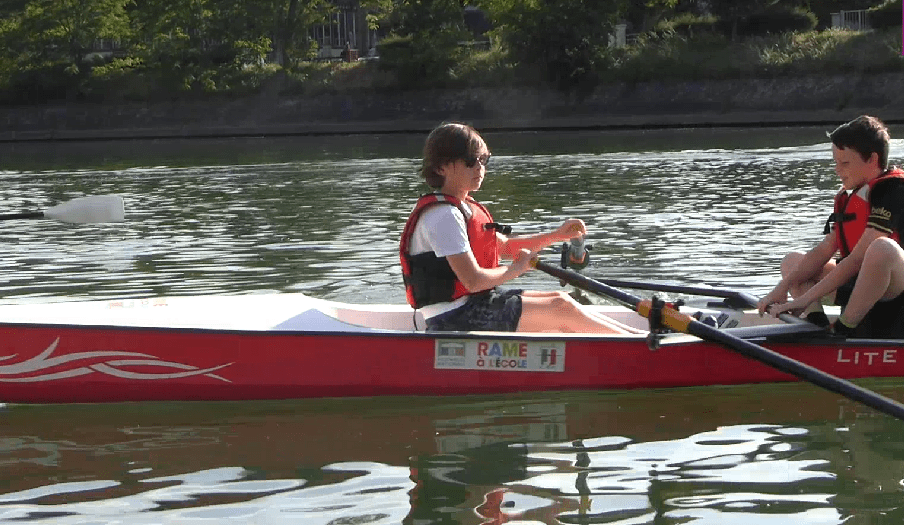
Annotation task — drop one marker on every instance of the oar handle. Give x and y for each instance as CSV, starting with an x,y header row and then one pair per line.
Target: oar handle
x,y
23,215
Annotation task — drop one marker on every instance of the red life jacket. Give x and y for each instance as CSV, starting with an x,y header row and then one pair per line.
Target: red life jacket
x,y
852,212
429,279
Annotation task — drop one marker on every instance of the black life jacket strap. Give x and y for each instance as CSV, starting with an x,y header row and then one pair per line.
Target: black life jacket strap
x,y
504,229
837,218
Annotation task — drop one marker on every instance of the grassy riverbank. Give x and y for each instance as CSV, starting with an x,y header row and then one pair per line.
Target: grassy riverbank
x,y
665,55
654,57
667,81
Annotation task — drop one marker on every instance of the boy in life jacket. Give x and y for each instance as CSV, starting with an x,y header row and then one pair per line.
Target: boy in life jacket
x,y
450,250
866,228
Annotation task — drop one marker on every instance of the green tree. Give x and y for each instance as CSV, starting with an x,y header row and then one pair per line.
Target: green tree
x,y
424,42
48,42
201,45
291,35
564,39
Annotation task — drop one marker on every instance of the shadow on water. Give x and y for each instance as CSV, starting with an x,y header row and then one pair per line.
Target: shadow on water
x,y
44,156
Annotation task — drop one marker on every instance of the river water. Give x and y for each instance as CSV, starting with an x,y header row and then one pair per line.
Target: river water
x,y
321,215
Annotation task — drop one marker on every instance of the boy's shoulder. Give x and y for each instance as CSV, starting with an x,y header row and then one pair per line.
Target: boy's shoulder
x,y
890,183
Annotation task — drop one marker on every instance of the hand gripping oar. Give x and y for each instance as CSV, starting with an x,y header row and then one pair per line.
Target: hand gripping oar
x,y
683,323
83,210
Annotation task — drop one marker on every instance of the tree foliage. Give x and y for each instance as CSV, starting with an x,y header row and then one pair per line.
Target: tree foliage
x,y
48,47
424,40
47,42
201,45
193,45
562,38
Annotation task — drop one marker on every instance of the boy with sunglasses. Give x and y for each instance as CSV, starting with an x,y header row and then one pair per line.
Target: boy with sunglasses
x,y
450,250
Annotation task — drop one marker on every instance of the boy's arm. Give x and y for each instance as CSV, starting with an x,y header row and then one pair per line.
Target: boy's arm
x,y
845,270
476,279
810,267
510,246
885,201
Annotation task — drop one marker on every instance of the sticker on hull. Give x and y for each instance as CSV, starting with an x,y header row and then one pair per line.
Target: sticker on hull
x,y
502,355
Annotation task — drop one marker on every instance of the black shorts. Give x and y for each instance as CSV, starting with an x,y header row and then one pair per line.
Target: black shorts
x,y
493,311
884,321
843,293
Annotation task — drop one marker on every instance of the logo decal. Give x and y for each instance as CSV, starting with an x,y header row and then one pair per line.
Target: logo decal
x,y
504,355
78,365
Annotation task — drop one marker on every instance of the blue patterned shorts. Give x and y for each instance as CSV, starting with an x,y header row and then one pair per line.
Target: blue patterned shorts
x,y
493,310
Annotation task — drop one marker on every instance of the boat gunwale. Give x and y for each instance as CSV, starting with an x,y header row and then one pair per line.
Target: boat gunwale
x,y
806,337
370,332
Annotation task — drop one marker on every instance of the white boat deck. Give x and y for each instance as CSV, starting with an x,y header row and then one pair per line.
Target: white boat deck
x,y
255,312
258,312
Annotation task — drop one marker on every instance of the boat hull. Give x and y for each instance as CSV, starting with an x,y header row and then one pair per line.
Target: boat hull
x,y
75,364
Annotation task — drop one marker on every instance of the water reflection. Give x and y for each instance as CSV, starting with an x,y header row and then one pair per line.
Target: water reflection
x,y
729,469
680,455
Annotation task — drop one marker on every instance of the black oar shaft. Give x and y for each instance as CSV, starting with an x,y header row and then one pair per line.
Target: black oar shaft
x,y
686,324
23,215
798,369
672,288
581,281
737,298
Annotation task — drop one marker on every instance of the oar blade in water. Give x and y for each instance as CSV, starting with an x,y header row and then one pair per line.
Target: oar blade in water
x,y
85,210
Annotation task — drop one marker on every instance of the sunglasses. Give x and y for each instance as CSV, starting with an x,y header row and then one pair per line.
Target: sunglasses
x,y
483,160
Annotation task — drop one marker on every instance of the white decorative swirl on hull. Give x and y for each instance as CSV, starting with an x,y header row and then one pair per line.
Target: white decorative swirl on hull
x,y
112,367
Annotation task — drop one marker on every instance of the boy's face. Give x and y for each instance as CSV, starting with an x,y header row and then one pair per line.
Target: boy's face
x,y
459,177
852,169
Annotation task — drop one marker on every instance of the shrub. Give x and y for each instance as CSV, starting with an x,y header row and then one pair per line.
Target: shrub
x,y
775,20
38,85
656,57
492,67
885,15
416,60
832,51
689,25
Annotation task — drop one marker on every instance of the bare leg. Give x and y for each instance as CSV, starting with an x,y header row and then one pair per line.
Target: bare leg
x,y
558,312
541,293
625,327
601,317
789,264
881,278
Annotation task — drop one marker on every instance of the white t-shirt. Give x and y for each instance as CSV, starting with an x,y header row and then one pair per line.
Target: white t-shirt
x,y
441,229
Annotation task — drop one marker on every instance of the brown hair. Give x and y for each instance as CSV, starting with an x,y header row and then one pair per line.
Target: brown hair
x,y
865,135
447,143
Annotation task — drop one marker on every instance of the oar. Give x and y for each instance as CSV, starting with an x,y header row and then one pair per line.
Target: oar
x,y
732,298
83,210
683,323
576,255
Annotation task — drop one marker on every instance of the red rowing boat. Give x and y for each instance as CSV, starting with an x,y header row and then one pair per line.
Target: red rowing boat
x,y
283,346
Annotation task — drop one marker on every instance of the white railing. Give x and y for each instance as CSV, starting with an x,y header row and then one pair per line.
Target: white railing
x,y
853,20
619,37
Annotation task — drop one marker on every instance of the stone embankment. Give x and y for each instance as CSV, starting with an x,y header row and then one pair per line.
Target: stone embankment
x,y
813,100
